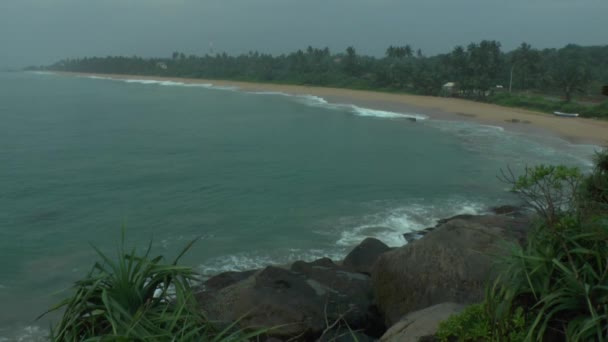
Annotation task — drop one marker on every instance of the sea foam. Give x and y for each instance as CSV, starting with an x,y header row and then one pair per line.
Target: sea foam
x,y
317,101
256,260
389,225
385,114
30,333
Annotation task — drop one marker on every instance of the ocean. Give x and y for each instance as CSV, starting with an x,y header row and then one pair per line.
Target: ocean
x,y
259,177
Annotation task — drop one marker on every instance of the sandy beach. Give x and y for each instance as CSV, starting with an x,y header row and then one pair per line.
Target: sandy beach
x,y
576,130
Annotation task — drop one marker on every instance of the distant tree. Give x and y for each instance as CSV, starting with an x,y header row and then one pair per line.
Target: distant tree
x,y
570,72
399,52
408,52
458,63
483,67
526,64
390,52
476,68
350,61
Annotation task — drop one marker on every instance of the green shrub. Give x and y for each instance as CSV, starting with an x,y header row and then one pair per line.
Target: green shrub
x,y
594,190
561,276
472,324
475,324
550,190
561,279
136,298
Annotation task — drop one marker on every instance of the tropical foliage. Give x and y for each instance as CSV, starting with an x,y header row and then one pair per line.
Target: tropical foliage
x,y
478,71
475,324
137,298
555,288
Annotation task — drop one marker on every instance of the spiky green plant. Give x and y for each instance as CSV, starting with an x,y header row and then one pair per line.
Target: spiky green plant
x,y
561,278
594,190
137,298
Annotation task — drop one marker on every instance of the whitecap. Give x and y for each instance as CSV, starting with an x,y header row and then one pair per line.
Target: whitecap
x,y
93,77
316,101
277,93
389,226
31,333
313,100
360,111
256,260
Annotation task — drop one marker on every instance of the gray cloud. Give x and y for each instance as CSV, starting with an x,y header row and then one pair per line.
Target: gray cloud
x,y
42,31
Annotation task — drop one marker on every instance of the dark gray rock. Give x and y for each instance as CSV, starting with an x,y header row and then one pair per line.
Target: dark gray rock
x,y
226,279
299,301
362,258
450,264
511,210
457,217
422,323
417,235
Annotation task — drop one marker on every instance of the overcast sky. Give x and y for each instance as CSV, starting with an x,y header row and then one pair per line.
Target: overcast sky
x,y
44,31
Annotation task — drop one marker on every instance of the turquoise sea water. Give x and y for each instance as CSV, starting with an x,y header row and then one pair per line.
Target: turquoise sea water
x,y
263,177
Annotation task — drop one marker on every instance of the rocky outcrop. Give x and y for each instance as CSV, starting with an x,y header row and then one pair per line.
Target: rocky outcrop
x,y
419,324
300,301
226,279
362,258
373,288
515,219
450,264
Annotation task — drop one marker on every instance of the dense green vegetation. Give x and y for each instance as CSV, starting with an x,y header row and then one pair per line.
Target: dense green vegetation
x,y
556,287
137,298
542,104
474,324
479,71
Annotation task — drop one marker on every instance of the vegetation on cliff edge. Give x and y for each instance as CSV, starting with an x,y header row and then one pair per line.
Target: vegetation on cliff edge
x,y
555,288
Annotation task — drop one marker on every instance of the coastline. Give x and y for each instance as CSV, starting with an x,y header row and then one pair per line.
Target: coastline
x,y
578,131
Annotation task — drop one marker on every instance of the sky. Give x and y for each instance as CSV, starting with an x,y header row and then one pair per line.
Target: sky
x,y
36,32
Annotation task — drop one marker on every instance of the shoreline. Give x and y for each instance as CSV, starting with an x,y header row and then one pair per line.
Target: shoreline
x,y
577,131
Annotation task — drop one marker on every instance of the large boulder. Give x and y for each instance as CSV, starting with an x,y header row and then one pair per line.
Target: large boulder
x,y
226,279
299,301
418,324
514,227
362,258
452,263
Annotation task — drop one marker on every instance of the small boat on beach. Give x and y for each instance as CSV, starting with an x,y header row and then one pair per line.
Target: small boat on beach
x,y
566,115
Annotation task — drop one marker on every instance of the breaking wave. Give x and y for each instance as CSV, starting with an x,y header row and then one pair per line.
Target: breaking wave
x,y
388,226
256,260
310,100
317,101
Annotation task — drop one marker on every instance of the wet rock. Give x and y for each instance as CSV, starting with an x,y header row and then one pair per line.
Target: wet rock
x,y
362,258
450,264
225,279
420,324
299,301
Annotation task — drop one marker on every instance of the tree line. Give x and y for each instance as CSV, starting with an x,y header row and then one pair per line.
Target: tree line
x,y
476,71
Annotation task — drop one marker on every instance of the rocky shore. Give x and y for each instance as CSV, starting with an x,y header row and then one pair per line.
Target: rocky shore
x,y
376,292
